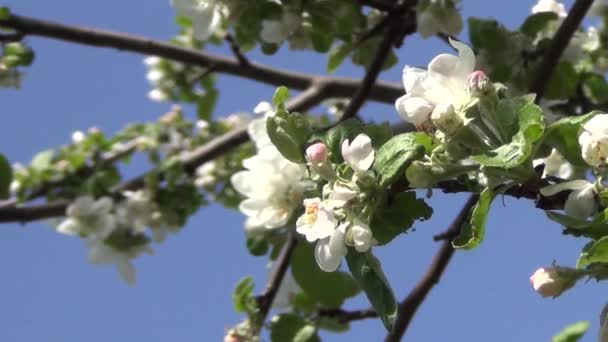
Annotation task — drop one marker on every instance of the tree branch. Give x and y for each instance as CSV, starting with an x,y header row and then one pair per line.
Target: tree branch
x,y
335,86
558,45
343,316
276,278
409,306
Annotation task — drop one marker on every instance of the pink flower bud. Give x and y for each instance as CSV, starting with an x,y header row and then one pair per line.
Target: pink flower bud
x,y
478,83
317,154
553,281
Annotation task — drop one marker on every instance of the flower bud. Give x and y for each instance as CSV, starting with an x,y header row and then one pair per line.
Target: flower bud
x,y
446,119
317,154
77,137
318,157
478,83
553,281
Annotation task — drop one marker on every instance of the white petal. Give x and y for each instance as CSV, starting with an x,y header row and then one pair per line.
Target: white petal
x,y
415,110
69,227
359,154
581,203
326,260
413,80
553,189
273,32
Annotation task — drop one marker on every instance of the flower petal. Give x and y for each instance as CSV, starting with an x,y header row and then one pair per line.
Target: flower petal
x,y
415,110
359,154
553,189
327,261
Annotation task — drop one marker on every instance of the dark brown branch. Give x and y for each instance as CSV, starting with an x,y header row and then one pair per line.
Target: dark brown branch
x,y
276,278
236,50
344,316
380,5
335,86
558,45
409,306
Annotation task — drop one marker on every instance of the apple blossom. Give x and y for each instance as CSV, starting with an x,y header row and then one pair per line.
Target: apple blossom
x,y
276,31
205,175
359,154
101,253
438,16
555,165
581,202
87,216
78,136
445,81
445,118
318,220
594,140
205,15
550,6
342,193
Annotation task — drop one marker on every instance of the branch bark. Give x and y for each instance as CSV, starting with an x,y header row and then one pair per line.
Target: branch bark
x,y
411,303
334,86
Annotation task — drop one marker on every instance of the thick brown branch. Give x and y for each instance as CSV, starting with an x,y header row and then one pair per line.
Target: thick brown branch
x,y
335,86
409,306
558,45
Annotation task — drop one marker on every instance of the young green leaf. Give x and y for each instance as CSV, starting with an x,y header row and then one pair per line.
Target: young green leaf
x,y
5,13
396,155
399,216
473,232
597,252
368,273
329,289
337,56
281,95
529,130
572,333
289,132
537,22
242,298
563,136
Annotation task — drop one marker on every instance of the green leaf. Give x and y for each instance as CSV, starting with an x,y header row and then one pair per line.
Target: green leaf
x,y
329,289
291,327
257,246
473,232
563,81
368,273
206,103
572,333
597,252
595,88
337,56
281,95
332,324
379,134
563,136
595,229
537,22
390,221
24,55
6,177
396,155
42,160
530,128
5,13
242,298
289,132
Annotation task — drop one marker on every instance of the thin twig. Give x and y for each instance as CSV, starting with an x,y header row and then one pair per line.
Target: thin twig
x,y
344,316
336,86
558,45
409,306
276,278
236,50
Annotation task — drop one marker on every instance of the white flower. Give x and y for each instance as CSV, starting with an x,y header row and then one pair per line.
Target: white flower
x,y
205,175
555,165
78,136
87,216
318,221
276,31
152,61
257,128
550,6
360,235
445,81
330,250
438,17
594,140
273,187
237,120
359,154
581,202
101,253
206,15
158,95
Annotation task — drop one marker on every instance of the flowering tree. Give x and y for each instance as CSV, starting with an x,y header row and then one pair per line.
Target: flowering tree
x,y
511,112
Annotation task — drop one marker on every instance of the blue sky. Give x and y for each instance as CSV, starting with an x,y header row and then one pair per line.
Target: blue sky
x,y
49,292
